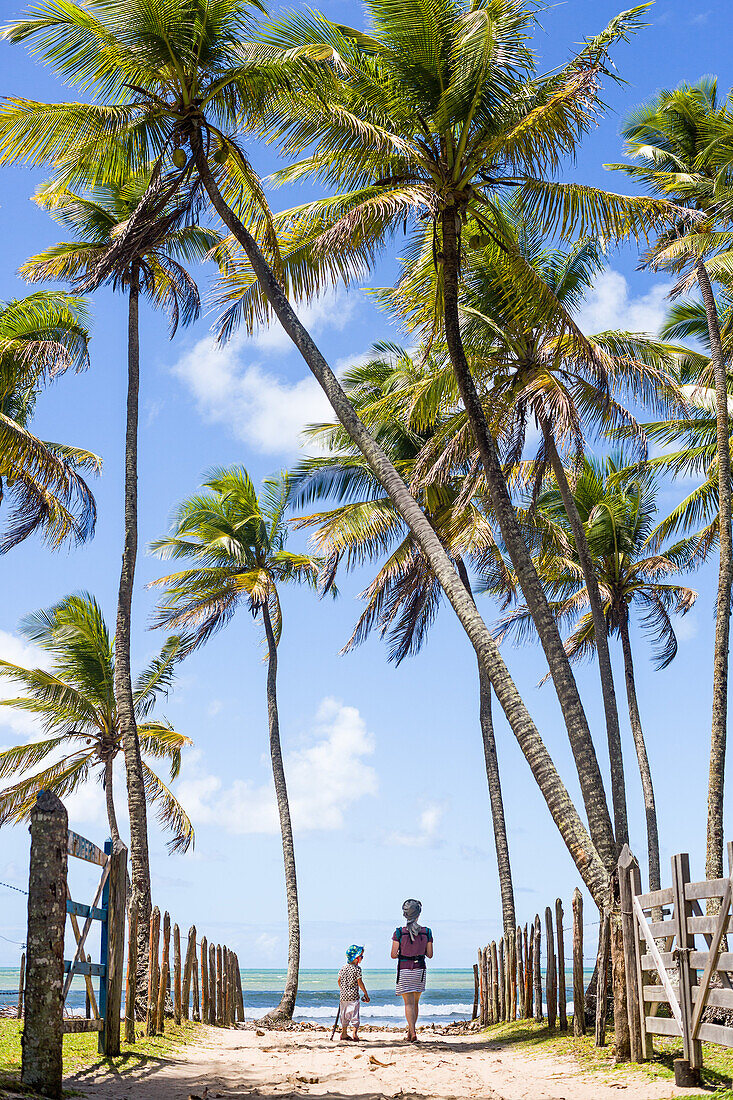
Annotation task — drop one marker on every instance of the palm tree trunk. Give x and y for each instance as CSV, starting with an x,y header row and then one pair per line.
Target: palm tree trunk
x,y
564,814
600,630
114,831
285,1009
584,753
493,779
650,808
719,732
139,859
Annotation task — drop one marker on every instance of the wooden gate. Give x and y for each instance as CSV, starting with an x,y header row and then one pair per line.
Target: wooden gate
x,y
108,906
673,968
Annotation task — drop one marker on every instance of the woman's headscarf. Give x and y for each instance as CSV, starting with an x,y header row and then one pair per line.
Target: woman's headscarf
x,y
411,910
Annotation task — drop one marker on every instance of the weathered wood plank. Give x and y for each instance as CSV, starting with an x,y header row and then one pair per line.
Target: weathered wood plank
x,y
716,1033
664,958
130,988
699,960
76,909
661,1025
660,966
656,898
561,996
661,928
711,888
701,925
578,988
74,1025
82,848
96,970
656,993
117,905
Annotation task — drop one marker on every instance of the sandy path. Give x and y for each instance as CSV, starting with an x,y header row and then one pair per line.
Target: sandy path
x,y
285,1065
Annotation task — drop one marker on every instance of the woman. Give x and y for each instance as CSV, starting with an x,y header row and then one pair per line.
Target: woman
x,y
411,946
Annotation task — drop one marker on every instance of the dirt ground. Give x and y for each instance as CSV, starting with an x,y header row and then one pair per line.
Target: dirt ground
x,y
278,1065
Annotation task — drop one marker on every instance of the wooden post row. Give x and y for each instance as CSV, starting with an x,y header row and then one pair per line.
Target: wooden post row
x,y
578,987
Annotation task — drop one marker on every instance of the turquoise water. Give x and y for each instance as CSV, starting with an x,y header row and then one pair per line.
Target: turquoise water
x,y
448,997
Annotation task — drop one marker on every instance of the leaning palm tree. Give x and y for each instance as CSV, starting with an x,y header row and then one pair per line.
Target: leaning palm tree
x,y
403,399
679,148
154,270
41,489
618,510
74,702
235,541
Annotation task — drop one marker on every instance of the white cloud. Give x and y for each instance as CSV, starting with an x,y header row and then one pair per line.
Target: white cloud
x,y
324,779
17,652
426,834
260,406
611,306
686,626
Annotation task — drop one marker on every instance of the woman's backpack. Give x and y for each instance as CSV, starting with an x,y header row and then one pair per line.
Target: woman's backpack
x,y
412,952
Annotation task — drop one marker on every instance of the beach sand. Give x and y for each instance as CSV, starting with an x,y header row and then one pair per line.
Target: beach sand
x,y
278,1065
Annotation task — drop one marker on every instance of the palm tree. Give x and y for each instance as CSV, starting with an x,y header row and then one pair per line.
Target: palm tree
x,y
41,336
75,703
618,511
680,145
390,392
156,271
235,540
164,79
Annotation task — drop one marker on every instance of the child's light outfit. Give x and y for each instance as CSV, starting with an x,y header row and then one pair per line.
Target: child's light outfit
x,y
349,978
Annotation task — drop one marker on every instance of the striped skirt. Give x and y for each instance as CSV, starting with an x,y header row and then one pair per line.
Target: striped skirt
x,y
411,981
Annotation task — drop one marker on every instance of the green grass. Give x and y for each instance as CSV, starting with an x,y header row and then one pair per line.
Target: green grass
x,y
528,1035
80,1052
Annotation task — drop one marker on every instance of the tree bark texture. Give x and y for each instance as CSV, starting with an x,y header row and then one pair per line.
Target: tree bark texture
x,y
647,786
114,831
43,1027
139,857
719,732
584,853
285,1009
600,630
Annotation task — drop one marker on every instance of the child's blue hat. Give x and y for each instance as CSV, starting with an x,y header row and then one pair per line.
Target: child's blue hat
x,y
353,952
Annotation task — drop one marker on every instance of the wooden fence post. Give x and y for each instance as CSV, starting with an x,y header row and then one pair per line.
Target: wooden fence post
x,y
240,991
625,864
21,985
177,975
562,1002
165,971
551,978
520,971
539,1014
529,968
219,986
513,986
188,971
196,1015
474,1015
131,974
487,984
153,972
43,1029
212,983
204,981
500,981
578,986
604,955
494,983
109,1039
686,1069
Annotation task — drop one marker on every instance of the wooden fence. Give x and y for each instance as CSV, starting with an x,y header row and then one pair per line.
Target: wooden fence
x,y
174,991
508,975
668,966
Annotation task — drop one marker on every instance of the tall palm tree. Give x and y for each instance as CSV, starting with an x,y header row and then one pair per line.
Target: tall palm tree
x,y
164,79
679,144
75,703
390,392
235,541
618,510
41,489
155,270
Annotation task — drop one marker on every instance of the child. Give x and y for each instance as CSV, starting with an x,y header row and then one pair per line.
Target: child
x,y
350,982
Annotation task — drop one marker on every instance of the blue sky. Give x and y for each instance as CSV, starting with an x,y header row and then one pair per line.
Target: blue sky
x,y
353,727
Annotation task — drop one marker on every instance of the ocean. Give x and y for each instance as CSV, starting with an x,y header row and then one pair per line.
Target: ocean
x,y
448,997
